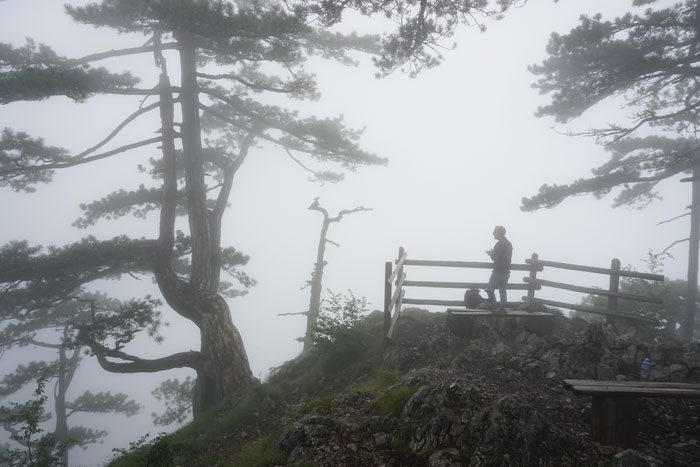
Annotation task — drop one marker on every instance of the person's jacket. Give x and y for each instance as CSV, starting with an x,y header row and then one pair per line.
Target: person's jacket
x,y
501,255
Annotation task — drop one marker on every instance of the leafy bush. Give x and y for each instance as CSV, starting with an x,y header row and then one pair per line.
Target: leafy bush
x,y
23,421
156,452
339,331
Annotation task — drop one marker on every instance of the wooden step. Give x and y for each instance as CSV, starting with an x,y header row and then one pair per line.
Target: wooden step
x,y
472,312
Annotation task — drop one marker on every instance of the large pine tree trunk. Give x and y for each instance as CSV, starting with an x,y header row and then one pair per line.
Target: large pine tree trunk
x,y
227,370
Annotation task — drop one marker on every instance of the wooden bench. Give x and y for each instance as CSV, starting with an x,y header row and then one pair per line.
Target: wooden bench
x,y
495,314
615,408
460,322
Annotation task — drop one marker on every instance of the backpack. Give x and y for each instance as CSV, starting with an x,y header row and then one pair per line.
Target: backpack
x,y
472,298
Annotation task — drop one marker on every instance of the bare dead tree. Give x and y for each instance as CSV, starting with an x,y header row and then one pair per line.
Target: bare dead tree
x,y
316,282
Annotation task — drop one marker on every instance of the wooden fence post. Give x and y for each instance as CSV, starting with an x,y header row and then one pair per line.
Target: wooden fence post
x,y
614,286
533,277
387,298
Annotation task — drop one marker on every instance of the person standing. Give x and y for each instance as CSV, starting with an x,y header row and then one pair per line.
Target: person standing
x,y
501,255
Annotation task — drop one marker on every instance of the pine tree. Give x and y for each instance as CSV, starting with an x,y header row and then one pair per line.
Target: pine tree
x,y
422,28
220,48
651,60
55,330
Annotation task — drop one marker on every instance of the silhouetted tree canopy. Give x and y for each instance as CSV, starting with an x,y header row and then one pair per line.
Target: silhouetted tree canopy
x,y
636,166
54,329
422,27
651,60
221,49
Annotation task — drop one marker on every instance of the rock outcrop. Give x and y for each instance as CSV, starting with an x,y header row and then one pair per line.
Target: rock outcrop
x,y
493,396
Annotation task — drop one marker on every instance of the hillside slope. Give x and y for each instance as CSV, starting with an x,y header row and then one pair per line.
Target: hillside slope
x,y
434,398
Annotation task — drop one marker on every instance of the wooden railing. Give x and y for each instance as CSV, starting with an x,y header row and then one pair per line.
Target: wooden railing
x,y
395,281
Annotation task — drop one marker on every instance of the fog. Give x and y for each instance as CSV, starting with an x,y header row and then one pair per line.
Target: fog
x,y
463,148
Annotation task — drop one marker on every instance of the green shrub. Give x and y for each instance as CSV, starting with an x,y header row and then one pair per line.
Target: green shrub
x,y
339,333
261,453
24,420
140,452
193,442
387,377
313,405
161,453
392,402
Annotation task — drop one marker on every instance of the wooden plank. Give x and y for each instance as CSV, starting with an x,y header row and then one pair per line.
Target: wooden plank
x,y
387,297
433,301
569,383
400,280
464,264
461,285
395,318
399,290
593,290
496,314
615,421
597,270
610,391
399,264
597,311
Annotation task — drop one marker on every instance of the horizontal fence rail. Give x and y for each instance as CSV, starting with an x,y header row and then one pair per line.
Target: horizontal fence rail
x,y
438,302
593,291
578,267
463,264
462,285
598,311
395,276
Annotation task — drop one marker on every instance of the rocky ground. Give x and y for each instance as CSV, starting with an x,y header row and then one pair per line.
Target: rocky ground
x,y
489,392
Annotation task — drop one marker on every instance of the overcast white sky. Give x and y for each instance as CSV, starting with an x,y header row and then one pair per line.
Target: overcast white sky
x,y
463,148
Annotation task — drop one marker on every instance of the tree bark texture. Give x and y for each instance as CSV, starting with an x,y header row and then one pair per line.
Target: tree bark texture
x,y
226,368
194,169
316,282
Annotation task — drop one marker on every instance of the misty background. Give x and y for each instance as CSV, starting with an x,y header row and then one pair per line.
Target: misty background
x,y
463,147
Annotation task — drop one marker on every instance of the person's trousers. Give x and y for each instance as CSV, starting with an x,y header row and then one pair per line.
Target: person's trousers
x,y
498,280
